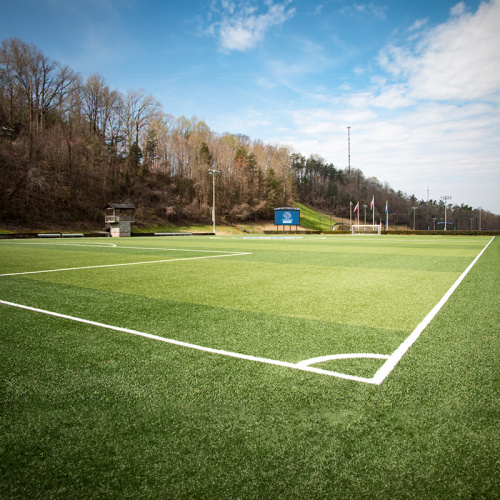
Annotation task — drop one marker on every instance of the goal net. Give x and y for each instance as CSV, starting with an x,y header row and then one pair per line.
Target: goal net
x,y
367,229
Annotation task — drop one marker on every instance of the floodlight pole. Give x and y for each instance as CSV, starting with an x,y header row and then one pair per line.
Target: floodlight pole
x,y
213,173
414,211
445,198
349,151
350,215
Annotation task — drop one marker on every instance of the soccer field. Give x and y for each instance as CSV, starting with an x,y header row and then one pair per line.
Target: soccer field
x,y
250,367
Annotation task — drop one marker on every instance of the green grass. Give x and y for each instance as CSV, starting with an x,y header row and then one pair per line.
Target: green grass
x,y
314,220
93,413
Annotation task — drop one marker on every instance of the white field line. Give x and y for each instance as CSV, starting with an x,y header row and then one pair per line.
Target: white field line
x,y
247,357
113,245
127,264
396,356
322,359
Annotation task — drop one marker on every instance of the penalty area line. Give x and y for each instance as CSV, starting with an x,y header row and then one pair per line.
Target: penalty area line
x,y
211,350
126,264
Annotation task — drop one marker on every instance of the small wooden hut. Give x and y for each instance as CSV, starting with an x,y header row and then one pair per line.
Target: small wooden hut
x,y
118,218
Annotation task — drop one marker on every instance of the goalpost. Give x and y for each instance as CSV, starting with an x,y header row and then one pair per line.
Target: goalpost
x,y
366,229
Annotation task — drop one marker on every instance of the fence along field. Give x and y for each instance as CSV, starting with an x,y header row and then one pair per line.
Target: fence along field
x,y
332,306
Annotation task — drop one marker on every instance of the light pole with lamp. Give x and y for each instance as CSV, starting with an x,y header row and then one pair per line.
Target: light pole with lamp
x,y
414,211
445,199
350,215
213,173
349,152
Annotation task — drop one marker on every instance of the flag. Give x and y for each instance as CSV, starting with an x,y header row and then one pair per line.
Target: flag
x,y
386,207
357,206
373,201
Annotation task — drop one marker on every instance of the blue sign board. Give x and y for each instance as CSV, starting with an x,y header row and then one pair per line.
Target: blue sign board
x,y
286,216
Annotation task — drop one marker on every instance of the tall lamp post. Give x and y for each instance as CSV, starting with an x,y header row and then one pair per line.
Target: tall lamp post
x,y
350,215
349,151
445,198
414,211
213,173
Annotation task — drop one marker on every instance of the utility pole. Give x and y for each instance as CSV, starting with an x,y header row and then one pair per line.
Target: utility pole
x,y
213,173
414,211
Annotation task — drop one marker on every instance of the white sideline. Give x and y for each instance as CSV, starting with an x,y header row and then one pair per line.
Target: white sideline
x,y
396,356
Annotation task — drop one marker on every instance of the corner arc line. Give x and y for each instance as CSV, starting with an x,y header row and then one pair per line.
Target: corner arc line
x,y
333,357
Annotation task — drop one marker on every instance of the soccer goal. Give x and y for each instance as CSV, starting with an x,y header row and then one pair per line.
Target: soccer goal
x,y
367,229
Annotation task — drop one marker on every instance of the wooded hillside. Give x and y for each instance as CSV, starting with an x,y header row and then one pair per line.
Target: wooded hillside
x,y
68,147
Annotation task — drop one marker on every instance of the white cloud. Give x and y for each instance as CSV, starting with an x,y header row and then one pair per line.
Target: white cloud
x,y
418,24
241,26
393,97
458,60
369,9
375,10
458,9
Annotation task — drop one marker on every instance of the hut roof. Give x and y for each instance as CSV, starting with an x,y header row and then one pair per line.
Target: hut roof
x,y
121,206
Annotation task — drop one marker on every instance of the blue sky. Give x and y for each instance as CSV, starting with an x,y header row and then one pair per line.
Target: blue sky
x,y
418,82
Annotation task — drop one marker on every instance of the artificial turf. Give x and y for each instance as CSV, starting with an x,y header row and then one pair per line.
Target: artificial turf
x,y
93,413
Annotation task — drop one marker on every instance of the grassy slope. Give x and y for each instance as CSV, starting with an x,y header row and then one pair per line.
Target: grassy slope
x,y
314,220
88,414
309,219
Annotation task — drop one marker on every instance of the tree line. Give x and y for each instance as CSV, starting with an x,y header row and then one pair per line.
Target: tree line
x,y
69,146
